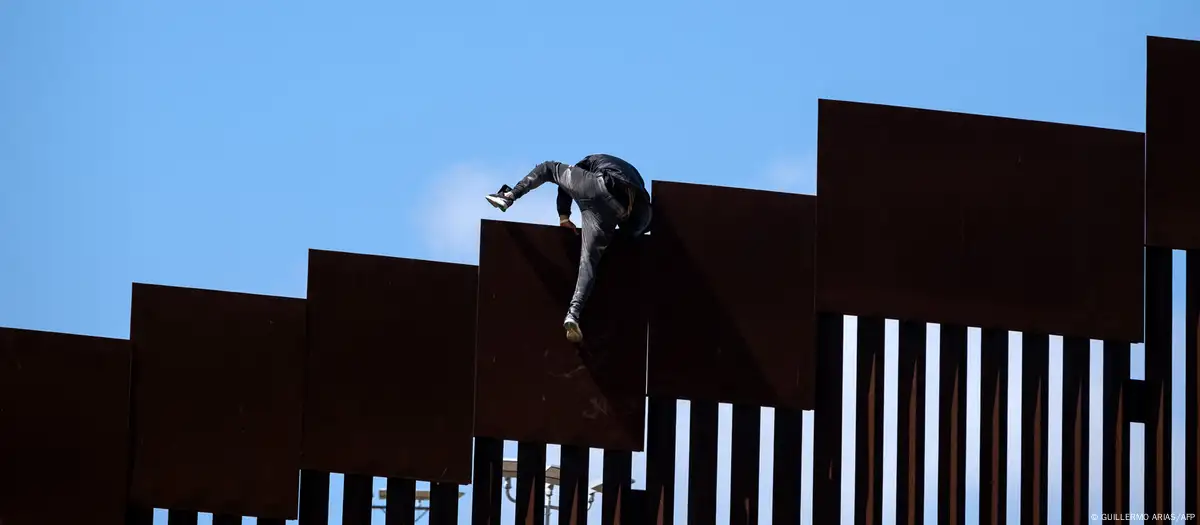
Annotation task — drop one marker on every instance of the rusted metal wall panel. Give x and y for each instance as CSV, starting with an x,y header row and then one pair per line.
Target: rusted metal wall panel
x,y
356,499
1115,434
660,461
217,390
64,420
703,420
531,483
314,497
183,517
979,221
744,464
1158,375
532,384
1172,139
443,504
993,427
573,486
400,507
733,318
487,482
139,515
827,421
952,425
910,424
1191,426
786,475
1076,385
390,336
618,504
1035,427
868,478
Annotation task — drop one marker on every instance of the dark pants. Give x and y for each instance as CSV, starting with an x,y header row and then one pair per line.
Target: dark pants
x,y
602,212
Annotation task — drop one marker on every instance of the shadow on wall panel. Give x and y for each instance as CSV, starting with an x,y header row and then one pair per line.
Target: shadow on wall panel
x,y
217,389
531,383
733,318
979,221
64,415
1172,140
390,385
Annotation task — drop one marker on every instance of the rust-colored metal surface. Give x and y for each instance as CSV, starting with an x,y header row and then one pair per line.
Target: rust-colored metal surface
x,y
400,507
534,385
634,504
1115,434
993,427
703,421
573,486
1076,368
1191,424
733,317
64,415
182,517
827,421
787,472
979,221
952,425
443,504
138,516
1035,424
371,318
660,461
314,497
356,499
531,483
1135,401
910,424
486,483
1172,139
1157,405
217,390
868,482
744,464
618,504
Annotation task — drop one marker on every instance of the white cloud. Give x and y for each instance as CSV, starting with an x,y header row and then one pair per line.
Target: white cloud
x,y
453,204
793,174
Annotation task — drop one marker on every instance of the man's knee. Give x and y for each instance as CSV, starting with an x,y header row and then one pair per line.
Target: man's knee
x,y
551,168
638,223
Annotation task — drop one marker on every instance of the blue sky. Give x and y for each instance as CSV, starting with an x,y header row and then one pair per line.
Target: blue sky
x,y
210,144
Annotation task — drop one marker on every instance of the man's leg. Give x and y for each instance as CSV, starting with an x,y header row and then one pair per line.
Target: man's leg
x,y
597,233
570,179
638,221
541,174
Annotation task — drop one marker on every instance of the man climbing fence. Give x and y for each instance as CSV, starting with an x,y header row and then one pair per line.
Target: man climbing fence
x,y
612,201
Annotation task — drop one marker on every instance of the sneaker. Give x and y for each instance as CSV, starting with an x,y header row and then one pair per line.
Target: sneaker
x,y
501,199
574,334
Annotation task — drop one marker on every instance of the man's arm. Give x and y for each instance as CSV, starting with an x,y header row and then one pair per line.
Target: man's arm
x,y
564,206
